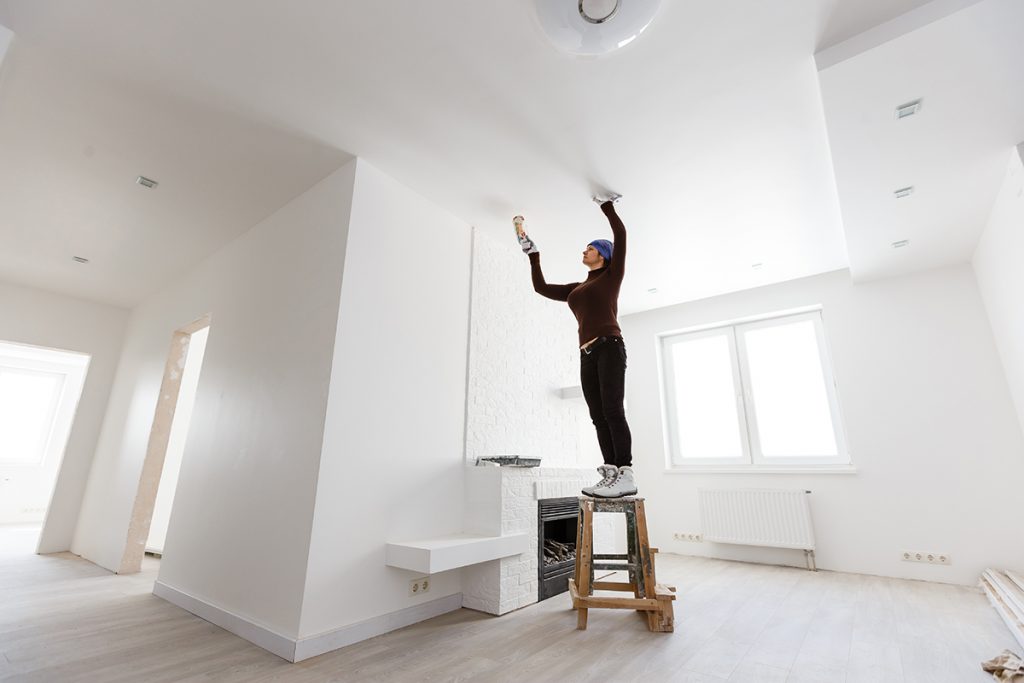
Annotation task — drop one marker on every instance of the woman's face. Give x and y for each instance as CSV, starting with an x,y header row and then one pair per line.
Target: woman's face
x,y
592,257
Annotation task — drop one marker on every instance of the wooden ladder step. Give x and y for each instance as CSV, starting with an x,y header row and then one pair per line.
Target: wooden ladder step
x,y
614,586
603,602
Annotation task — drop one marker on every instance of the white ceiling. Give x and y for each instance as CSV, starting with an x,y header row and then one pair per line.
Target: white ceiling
x,y
712,124
73,142
968,70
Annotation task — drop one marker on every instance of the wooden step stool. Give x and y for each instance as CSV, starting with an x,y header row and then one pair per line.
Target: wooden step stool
x,y
648,595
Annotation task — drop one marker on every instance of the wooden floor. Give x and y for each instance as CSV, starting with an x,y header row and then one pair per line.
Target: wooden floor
x,y
63,620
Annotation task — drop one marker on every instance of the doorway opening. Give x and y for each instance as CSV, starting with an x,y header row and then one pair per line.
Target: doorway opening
x,y
39,393
154,500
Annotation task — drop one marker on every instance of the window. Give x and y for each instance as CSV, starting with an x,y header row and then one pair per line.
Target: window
x,y
28,406
752,395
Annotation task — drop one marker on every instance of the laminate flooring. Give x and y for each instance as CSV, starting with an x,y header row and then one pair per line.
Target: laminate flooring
x,y
63,619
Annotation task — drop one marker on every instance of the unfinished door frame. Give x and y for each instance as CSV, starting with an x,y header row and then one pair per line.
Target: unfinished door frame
x,y
156,450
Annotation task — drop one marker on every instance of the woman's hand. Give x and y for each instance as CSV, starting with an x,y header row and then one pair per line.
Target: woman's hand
x,y
525,242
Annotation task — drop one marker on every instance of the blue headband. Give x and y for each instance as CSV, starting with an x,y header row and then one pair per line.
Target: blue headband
x,y
604,248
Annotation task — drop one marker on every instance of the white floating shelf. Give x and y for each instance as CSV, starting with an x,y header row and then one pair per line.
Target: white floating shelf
x,y
451,552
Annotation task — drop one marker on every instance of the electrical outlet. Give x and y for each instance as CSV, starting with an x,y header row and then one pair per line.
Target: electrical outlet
x,y
927,558
690,538
420,585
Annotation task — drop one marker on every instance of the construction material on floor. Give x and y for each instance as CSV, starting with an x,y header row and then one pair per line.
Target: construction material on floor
x,y
1005,590
1007,667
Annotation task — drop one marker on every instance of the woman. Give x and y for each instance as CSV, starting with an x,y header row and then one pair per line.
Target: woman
x,y
602,351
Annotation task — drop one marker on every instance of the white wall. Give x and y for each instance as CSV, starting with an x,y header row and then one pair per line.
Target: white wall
x,y
524,349
928,416
392,463
31,316
239,531
161,518
997,265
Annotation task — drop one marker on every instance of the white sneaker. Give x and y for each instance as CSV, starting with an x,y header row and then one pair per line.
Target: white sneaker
x,y
612,197
608,474
624,485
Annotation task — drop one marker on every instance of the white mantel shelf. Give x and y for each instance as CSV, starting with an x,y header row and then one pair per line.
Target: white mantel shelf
x,y
451,552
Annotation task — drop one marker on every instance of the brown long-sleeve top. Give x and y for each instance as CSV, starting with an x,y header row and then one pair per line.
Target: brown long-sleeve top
x,y
595,301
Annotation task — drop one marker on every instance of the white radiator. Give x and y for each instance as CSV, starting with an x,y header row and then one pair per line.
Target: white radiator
x,y
780,519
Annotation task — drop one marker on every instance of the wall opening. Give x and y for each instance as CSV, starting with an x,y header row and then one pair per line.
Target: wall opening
x,y
39,393
154,500
176,443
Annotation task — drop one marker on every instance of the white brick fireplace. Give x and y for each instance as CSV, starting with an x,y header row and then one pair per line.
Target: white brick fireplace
x,y
503,501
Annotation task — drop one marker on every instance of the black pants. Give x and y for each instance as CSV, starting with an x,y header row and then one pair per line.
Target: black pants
x,y
603,377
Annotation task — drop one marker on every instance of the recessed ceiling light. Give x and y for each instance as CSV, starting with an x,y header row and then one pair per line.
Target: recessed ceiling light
x,y
908,109
652,290
904,192
79,259
146,182
899,244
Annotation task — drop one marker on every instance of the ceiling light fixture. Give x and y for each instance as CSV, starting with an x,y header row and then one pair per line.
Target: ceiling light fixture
x,y
594,27
756,265
79,259
146,182
908,109
652,290
904,192
900,244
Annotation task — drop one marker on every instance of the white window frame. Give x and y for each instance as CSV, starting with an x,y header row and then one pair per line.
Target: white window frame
x,y
669,403
753,459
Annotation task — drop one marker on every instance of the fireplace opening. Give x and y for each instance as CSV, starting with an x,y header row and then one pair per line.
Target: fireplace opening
x,y
556,544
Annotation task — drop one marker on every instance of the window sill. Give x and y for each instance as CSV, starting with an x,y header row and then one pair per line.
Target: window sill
x,y
748,469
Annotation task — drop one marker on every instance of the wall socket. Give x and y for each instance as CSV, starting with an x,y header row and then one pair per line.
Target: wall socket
x,y
420,585
692,538
927,558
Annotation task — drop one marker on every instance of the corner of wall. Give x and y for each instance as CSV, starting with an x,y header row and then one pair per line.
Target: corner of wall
x,y
996,272
395,398
351,170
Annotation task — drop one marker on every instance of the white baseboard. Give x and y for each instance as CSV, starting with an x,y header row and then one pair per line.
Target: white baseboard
x,y
269,640
370,628
297,650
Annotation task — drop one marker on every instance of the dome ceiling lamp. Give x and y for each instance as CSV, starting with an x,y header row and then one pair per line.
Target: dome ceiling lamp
x,y
594,27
